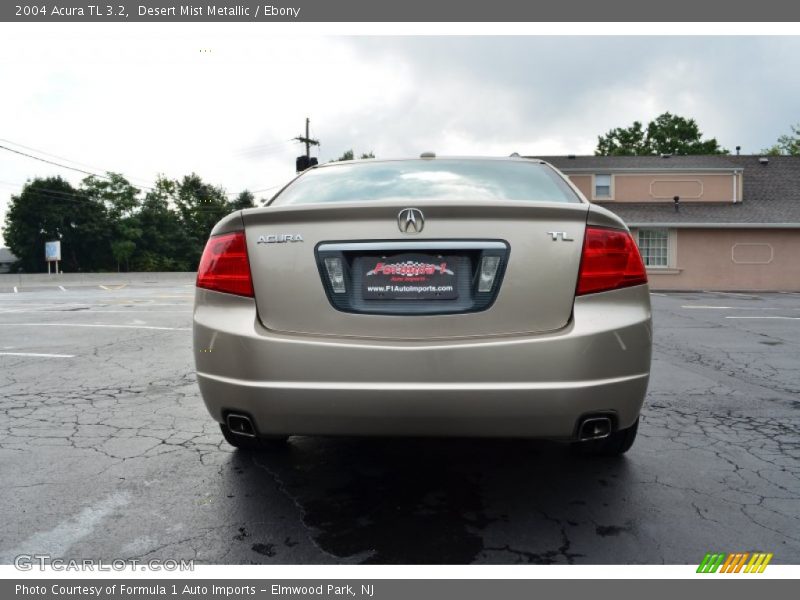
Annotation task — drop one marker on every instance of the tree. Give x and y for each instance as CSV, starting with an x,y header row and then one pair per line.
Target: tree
x,y
623,142
51,209
164,244
200,205
244,200
350,155
115,192
667,134
788,144
121,201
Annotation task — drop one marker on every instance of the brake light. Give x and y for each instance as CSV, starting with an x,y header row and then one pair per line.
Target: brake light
x,y
610,261
224,266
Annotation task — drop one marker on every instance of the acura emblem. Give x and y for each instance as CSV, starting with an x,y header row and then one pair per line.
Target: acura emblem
x,y
411,220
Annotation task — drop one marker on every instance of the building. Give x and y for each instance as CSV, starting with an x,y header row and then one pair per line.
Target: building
x,y
6,260
735,225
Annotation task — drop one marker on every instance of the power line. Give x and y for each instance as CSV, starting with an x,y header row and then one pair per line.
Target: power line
x,y
50,162
38,151
263,148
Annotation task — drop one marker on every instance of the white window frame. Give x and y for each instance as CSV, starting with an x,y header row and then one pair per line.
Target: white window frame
x,y
610,195
668,251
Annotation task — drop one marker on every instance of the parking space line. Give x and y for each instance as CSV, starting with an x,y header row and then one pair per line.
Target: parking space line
x,y
37,354
72,530
88,311
736,307
62,288
737,294
15,290
96,325
766,317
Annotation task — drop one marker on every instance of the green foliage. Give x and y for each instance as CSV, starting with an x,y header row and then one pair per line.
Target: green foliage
x,y
244,200
105,224
164,245
51,209
350,155
788,144
667,134
199,205
121,202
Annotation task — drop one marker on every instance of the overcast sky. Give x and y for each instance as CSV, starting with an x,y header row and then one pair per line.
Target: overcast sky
x,y
144,100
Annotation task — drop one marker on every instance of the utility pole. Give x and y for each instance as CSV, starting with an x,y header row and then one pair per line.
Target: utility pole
x,y
307,140
304,162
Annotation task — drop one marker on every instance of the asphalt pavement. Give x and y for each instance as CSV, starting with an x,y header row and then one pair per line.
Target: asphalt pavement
x,y
107,452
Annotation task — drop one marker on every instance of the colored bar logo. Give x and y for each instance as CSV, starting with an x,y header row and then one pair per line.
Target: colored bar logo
x,y
736,562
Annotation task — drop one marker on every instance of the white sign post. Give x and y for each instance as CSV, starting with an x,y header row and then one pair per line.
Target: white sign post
x,y
52,253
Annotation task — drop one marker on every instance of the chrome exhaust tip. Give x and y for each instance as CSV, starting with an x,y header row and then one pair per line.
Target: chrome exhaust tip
x,y
240,425
594,428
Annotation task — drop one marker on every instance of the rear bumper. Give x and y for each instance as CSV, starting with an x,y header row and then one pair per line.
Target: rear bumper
x,y
510,386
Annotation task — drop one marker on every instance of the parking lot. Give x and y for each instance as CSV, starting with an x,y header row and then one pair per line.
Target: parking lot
x,y
106,451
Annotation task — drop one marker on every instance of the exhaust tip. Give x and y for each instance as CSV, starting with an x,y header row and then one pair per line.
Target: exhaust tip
x,y
594,428
240,425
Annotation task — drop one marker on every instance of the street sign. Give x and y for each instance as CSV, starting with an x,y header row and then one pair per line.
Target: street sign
x,y
52,251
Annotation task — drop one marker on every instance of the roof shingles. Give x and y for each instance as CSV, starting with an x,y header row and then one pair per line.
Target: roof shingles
x,y
771,191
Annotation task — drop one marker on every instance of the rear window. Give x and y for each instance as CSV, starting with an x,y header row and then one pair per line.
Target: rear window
x,y
435,179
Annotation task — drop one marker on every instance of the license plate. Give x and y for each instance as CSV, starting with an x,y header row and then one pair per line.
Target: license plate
x,y
409,277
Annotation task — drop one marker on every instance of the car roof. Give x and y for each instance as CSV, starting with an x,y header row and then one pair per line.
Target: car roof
x,y
430,159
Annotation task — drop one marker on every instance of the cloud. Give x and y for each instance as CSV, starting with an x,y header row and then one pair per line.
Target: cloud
x,y
225,101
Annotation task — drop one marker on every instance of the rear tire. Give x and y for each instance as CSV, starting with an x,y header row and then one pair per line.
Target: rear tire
x,y
616,444
253,444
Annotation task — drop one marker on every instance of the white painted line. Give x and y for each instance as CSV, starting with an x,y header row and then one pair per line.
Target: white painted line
x,y
61,287
700,306
36,354
735,307
96,325
15,290
70,531
785,318
732,294
656,294
18,311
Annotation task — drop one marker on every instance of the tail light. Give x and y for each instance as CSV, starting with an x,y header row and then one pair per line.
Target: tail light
x,y
610,261
224,266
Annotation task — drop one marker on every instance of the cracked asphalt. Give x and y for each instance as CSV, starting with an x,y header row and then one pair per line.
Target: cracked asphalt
x,y
106,451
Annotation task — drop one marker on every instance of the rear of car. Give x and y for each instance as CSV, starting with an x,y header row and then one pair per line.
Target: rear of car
x,y
440,297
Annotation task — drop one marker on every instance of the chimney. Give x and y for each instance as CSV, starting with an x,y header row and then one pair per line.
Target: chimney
x,y
677,201
738,149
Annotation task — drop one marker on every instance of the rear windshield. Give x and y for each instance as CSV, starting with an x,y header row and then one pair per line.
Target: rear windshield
x,y
434,179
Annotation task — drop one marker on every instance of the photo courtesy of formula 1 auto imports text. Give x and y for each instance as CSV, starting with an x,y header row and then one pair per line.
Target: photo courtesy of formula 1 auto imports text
x,y
340,299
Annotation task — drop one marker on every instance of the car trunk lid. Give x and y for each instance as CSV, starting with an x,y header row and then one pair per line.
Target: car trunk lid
x,y
403,285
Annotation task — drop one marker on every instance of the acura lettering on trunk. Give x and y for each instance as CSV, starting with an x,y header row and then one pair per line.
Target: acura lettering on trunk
x,y
521,309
